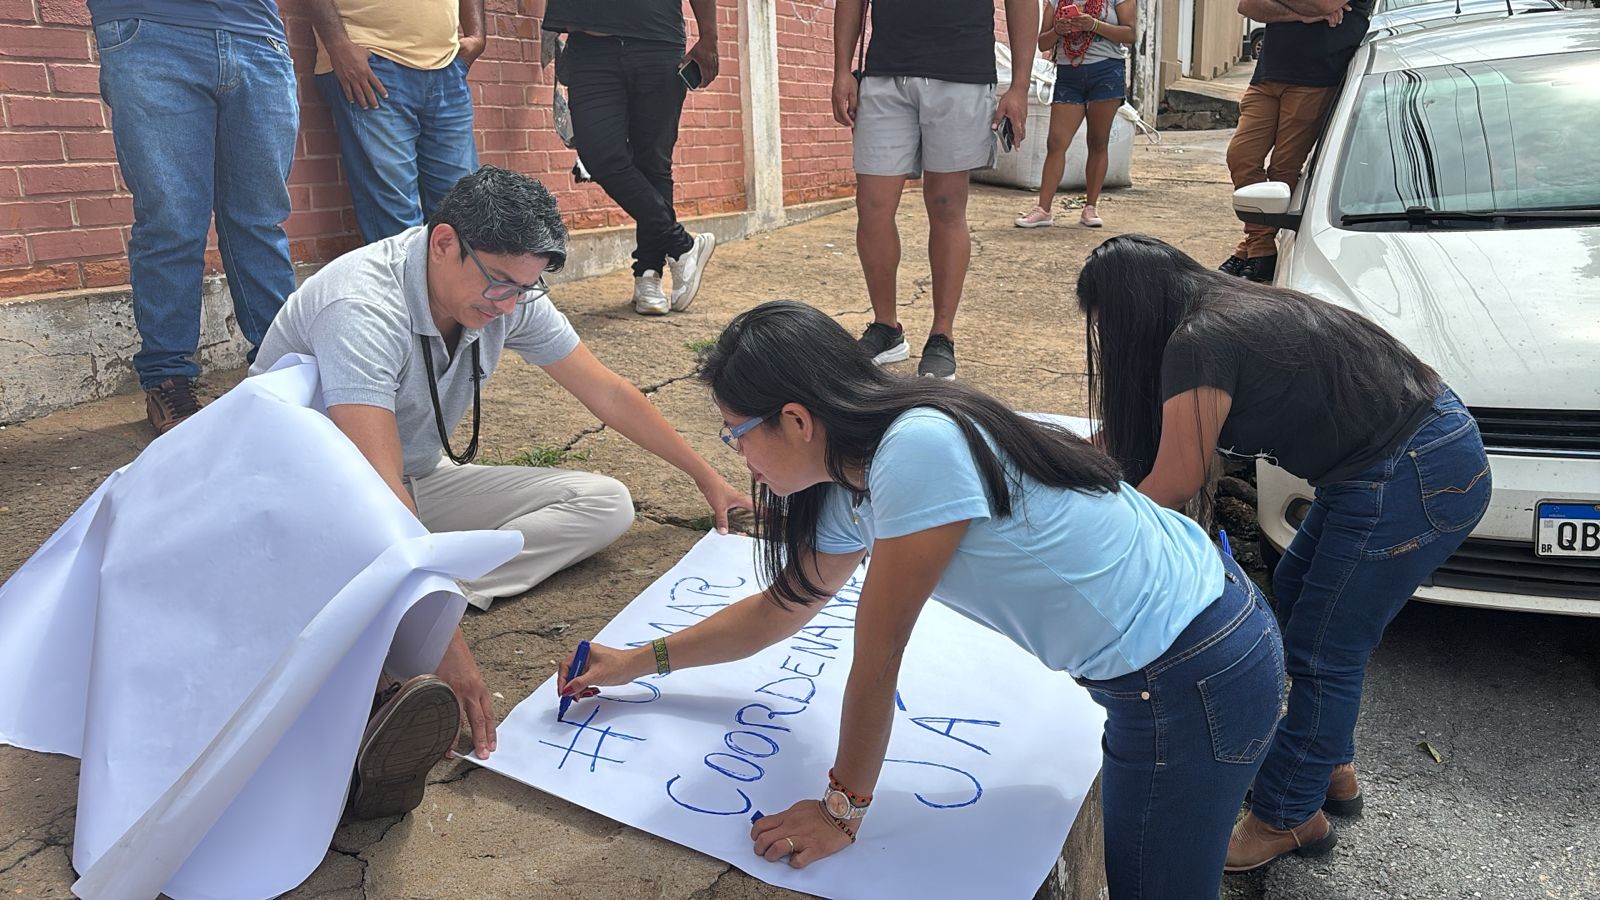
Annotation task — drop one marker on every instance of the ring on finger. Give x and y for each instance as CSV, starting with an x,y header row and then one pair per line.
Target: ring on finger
x,y
790,842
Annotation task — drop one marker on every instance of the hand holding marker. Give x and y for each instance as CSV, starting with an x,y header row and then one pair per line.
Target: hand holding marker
x,y
579,660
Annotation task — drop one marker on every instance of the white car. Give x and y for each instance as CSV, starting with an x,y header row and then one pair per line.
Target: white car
x,y
1455,200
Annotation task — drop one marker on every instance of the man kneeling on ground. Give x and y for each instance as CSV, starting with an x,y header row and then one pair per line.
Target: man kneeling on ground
x,y
405,331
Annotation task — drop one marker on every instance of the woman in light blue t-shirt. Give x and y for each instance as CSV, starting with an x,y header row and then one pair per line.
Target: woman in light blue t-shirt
x,y
1019,525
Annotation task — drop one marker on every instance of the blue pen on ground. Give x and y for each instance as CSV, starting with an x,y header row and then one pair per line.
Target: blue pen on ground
x,y
1222,537
579,660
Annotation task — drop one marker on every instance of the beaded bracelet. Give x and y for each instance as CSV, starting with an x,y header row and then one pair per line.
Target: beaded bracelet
x,y
855,798
836,823
663,666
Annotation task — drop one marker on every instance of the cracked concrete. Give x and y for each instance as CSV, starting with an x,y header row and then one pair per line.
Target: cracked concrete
x,y
1514,708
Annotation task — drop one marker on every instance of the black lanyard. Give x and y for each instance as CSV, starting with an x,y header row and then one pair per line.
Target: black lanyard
x,y
438,414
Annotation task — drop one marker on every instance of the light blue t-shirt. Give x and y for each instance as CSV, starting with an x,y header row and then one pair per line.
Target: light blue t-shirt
x,y
1095,585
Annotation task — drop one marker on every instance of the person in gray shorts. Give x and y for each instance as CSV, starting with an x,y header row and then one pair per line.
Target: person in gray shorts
x,y
405,331
925,104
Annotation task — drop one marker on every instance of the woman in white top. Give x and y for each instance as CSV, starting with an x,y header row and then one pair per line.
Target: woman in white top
x,y
1087,42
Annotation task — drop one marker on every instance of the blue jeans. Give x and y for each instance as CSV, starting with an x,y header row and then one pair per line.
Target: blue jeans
x,y
1183,738
1103,79
403,157
203,121
1364,547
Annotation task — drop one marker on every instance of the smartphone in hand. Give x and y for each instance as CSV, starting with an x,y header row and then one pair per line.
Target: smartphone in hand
x,y
690,73
1008,135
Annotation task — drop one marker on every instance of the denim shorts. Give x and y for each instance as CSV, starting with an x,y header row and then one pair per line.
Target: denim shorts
x,y
1091,82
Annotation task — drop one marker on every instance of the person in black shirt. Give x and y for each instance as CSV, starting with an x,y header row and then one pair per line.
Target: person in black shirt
x,y
1185,363
1307,45
620,67
925,105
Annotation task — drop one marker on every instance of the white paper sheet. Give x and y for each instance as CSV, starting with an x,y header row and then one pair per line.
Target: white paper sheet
x,y
991,754
206,632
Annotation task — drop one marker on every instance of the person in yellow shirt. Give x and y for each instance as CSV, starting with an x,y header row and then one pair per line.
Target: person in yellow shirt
x,y
394,72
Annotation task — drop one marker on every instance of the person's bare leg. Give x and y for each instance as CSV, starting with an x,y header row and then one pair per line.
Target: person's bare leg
x,y
949,244
1064,121
878,240
1101,114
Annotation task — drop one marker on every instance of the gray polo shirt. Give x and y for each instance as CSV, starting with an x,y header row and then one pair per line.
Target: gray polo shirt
x,y
364,316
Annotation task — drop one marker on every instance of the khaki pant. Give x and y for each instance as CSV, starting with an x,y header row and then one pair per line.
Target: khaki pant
x,y
564,517
1284,119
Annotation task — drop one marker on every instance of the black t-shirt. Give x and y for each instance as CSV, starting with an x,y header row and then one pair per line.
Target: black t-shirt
x,y
951,40
650,20
1311,54
1281,410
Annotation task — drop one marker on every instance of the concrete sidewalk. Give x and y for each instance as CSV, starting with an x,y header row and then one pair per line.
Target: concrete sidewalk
x,y
477,834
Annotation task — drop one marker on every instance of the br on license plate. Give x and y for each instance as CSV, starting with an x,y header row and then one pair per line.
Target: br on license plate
x,y
1567,528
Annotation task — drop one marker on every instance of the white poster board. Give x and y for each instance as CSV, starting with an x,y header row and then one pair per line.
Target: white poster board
x,y
990,759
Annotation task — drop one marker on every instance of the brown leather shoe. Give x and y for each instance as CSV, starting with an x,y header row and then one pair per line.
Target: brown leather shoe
x,y
1255,843
412,730
169,403
1344,793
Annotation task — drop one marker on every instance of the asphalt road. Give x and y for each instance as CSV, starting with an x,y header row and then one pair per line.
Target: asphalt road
x,y
1511,702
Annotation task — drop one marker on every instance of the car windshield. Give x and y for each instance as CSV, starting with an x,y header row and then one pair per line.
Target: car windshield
x,y
1501,136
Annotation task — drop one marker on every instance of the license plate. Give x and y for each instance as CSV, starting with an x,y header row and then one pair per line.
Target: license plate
x,y
1567,528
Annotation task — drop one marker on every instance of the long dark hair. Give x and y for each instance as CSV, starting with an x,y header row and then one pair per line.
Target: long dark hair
x,y
1141,290
787,352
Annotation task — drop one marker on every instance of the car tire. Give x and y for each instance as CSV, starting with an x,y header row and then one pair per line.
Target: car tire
x,y
1256,41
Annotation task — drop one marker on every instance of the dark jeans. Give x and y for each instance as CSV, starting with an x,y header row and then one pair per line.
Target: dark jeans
x,y
626,96
1363,549
203,121
1183,738
403,157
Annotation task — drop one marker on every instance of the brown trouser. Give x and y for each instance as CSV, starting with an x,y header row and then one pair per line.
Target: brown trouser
x,y
1284,119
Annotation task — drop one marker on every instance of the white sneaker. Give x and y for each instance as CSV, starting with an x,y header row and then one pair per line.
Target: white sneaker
x,y
1038,217
1090,217
687,269
648,297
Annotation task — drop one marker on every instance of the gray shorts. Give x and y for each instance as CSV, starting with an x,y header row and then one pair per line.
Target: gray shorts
x,y
905,125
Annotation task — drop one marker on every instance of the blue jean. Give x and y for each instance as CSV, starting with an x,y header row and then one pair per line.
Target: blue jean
x,y
1363,549
203,121
1183,738
1104,79
401,158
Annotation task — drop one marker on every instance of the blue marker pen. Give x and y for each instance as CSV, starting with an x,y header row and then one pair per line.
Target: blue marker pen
x,y
1222,537
579,660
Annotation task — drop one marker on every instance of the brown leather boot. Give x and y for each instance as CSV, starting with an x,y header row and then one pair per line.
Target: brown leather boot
x,y
1255,843
1344,793
169,403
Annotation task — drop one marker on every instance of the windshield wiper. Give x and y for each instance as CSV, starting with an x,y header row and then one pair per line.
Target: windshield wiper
x,y
1423,215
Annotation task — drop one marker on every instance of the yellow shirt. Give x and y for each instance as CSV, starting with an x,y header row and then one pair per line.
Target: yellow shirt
x,y
421,34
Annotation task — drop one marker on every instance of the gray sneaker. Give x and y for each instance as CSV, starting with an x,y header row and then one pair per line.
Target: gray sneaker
x,y
938,358
687,269
648,297
885,344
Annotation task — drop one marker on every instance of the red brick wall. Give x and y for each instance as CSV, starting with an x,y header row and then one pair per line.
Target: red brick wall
x,y
816,149
65,213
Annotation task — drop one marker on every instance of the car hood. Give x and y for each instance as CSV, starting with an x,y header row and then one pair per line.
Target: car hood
x,y
1510,319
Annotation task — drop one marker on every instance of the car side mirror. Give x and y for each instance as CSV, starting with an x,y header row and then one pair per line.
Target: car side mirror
x,y
1266,203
